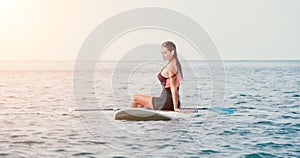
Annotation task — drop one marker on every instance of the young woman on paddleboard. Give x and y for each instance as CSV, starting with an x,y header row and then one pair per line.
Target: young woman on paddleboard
x,y
169,77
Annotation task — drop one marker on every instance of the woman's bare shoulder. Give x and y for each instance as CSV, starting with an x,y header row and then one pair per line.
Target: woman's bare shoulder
x,y
172,69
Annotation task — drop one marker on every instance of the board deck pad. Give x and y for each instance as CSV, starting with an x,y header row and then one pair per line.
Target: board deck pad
x,y
142,114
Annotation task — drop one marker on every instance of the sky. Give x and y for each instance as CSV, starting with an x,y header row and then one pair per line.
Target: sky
x,y
240,29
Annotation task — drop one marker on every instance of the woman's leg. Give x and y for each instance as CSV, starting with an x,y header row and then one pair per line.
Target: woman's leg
x,y
142,100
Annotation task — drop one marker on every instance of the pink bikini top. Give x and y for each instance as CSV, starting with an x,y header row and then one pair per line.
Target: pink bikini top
x,y
166,81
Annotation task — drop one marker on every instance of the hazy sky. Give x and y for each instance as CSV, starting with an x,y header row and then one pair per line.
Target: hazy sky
x,y
240,29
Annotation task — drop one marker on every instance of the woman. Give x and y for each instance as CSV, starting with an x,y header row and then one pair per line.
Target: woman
x,y
169,76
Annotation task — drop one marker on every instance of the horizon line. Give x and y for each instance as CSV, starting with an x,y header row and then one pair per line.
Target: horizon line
x,y
144,60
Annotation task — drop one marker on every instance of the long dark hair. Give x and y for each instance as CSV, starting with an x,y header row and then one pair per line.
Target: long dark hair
x,y
172,47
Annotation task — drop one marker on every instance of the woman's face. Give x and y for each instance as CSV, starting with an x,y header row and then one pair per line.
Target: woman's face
x,y
166,54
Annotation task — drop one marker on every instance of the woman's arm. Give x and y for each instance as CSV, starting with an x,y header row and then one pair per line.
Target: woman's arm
x,y
174,91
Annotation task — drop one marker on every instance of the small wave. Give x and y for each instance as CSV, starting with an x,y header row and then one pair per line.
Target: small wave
x,y
290,117
83,154
259,155
29,142
11,96
288,105
296,96
209,151
4,154
275,90
286,130
243,133
185,140
263,123
91,142
287,92
60,150
297,125
247,107
261,115
16,136
295,106
241,102
181,131
273,145
168,145
197,115
227,133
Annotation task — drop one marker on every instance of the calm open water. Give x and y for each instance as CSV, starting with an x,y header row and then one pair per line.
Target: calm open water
x,y
35,121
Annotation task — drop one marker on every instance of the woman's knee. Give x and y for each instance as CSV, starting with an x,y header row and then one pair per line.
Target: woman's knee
x,y
135,98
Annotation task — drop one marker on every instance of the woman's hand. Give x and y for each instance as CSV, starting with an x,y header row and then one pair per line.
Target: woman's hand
x,y
177,110
183,111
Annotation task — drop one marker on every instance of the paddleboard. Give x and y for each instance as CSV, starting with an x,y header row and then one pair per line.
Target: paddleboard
x,y
142,114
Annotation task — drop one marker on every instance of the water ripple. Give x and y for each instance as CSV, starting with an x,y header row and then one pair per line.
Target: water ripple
x,y
265,96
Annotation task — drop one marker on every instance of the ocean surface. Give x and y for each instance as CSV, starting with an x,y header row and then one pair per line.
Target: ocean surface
x,y
37,117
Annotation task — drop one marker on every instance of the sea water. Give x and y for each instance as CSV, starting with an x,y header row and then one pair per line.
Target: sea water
x,y
36,120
